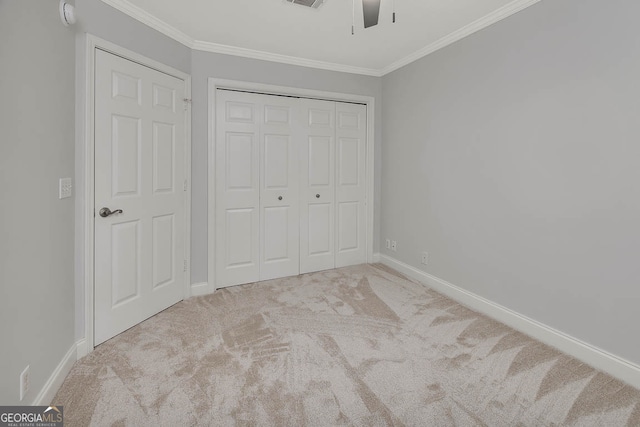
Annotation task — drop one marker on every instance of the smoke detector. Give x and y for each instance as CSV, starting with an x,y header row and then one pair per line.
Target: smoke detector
x,y
67,13
308,3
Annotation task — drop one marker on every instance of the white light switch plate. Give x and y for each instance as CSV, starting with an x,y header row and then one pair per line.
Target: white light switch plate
x,y
25,382
65,188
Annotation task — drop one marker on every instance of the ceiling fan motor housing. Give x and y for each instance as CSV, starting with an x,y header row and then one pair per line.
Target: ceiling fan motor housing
x,y
308,3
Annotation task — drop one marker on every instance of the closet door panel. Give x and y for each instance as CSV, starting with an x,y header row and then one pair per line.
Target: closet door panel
x,y
351,133
279,190
237,188
317,185
321,221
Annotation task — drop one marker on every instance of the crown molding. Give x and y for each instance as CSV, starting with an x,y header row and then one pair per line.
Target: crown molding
x,y
477,25
274,57
146,18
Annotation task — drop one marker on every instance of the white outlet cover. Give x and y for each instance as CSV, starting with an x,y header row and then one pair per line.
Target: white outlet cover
x,y
65,188
388,243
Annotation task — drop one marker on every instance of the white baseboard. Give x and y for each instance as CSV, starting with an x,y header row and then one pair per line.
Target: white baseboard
x,y
198,289
376,258
600,359
57,378
81,349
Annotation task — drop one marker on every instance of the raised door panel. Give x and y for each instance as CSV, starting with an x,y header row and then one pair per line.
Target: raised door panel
x,y
125,87
239,112
276,161
349,161
126,147
240,161
349,226
278,249
164,243
164,157
125,262
239,240
320,162
164,98
278,114
321,220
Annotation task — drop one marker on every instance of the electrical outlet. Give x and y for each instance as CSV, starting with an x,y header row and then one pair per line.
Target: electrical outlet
x,y
25,382
388,243
65,188
425,258
394,245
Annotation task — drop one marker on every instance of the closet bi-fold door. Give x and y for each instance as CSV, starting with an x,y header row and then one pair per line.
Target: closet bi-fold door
x,y
351,191
317,185
279,195
256,188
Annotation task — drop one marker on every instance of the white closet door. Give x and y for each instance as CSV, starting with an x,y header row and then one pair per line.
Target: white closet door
x,y
257,202
139,174
279,194
237,188
351,134
317,185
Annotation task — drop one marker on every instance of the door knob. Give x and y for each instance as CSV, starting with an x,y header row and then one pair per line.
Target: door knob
x,y
279,197
105,212
317,196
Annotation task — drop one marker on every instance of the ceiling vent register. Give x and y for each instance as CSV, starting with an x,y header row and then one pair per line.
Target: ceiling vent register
x,y
309,3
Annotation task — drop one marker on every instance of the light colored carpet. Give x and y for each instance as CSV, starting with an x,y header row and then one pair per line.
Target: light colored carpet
x,y
359,346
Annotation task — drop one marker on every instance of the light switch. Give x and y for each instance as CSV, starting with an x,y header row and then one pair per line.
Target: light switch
x,y
65,188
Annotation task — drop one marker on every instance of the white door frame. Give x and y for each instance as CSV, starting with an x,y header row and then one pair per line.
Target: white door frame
x,y
92,44
215,84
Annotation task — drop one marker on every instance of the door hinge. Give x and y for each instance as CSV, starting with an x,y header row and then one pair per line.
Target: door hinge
x,y
185,185
184,266
187,102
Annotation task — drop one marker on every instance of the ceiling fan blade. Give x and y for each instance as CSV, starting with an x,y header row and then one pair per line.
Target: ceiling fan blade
x,y
371,11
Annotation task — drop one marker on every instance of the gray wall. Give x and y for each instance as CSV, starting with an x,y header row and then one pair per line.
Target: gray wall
x,y
512,157
36,228
101,20
205,65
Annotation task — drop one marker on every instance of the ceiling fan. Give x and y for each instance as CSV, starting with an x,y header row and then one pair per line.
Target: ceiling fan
x,y
370,10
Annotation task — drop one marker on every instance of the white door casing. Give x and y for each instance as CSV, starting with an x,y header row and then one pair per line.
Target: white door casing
x,y
317,185
139,124
351,188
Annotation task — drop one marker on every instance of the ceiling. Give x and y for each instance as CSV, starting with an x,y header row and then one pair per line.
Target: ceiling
x,y
279,31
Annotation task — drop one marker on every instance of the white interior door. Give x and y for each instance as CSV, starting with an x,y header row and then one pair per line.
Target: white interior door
x,y
279,195
140,170
351,189
317,185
